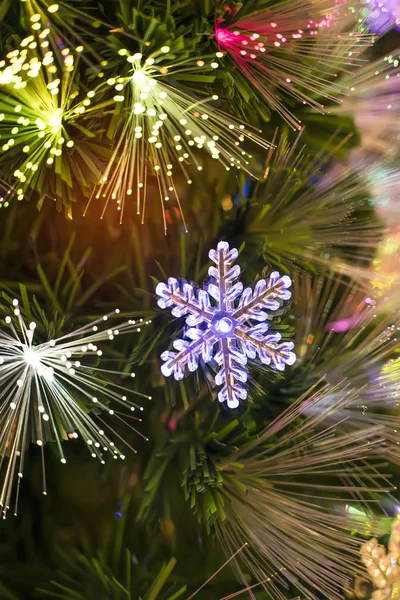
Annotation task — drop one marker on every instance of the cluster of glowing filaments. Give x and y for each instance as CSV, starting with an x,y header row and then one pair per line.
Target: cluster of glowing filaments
x,y
37,102
43,386
163,125
373,101
283,50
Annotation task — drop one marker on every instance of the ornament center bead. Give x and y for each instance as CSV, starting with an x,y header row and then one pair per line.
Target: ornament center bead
x,y
223,325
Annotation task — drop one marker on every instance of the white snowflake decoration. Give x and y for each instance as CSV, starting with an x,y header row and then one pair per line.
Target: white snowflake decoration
x,y
225,324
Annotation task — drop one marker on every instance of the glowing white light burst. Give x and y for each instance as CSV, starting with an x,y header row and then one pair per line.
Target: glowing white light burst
x,y
47,394
164,125
39,107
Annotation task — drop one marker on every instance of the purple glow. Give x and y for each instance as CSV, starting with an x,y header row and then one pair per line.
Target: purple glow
x,y
382,15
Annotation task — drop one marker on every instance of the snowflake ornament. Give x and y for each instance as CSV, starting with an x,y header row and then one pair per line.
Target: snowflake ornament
x,y
227,324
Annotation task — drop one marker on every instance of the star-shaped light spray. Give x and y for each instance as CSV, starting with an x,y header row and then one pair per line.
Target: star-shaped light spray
x,y
55,390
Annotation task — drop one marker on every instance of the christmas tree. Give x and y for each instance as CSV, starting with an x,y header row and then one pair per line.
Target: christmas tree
x,y
199,299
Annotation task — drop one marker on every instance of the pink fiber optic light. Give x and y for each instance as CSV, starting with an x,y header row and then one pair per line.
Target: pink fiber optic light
x,y
288,52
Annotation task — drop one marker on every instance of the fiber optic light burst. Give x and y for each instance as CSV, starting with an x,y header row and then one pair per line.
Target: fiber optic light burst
x,y
294,52
53,391
373,101
333,317
344,335
225,324
304,213
165,125
41,111
280,491
72,25
375,403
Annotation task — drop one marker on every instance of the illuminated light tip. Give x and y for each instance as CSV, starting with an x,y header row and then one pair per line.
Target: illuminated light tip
x,y
39,442
31,358
165,49
53,8
63,461
139,77
15,302
133,375
8,319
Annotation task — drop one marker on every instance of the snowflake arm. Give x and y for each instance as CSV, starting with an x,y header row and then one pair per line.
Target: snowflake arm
x,y
188,353
231,374
214,319
224,291
254,343
182,297
253,305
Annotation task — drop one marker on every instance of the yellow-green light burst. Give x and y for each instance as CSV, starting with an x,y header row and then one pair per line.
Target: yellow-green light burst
x,y
54,390
41,109
163,125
